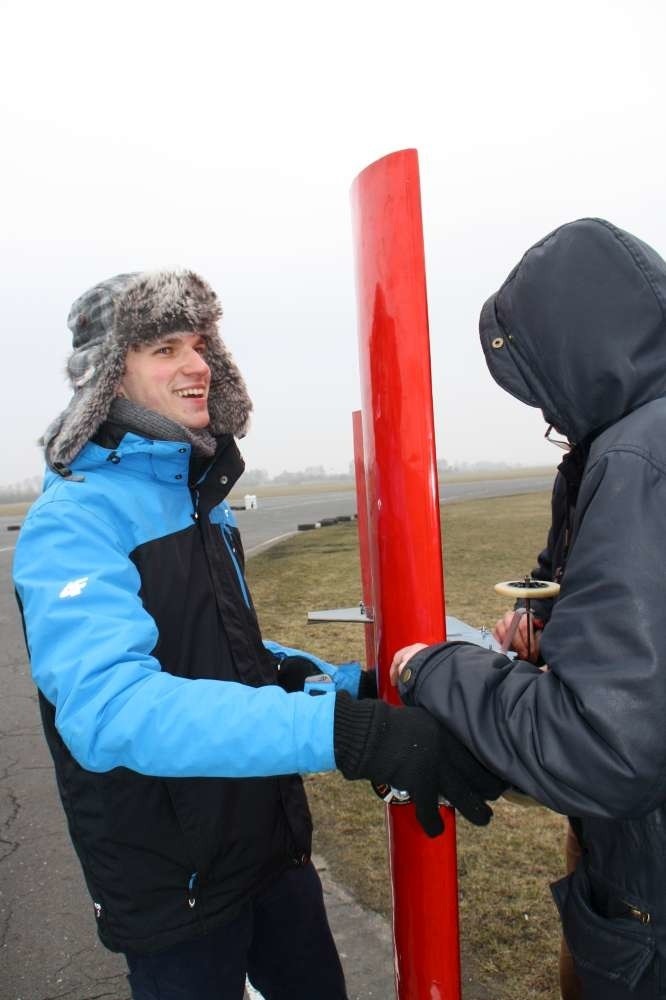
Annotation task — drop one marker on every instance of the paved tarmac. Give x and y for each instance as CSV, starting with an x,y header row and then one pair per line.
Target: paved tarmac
x,y
276,517
48,944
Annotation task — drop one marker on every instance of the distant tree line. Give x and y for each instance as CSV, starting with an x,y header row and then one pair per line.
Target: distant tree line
x,y
30,488
443,466
318,474
311,474
27,489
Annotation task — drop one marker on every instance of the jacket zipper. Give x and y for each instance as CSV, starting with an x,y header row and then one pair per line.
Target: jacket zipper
x,y
232,553
641,915
192,887
230,547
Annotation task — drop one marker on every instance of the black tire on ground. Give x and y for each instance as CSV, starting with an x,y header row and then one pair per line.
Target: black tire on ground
x,y
308,527
343,517
13,527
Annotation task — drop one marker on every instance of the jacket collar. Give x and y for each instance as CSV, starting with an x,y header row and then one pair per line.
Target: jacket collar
x,y
167,461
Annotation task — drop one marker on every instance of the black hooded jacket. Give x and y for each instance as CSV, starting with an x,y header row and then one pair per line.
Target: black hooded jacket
x,y
551,561
578,329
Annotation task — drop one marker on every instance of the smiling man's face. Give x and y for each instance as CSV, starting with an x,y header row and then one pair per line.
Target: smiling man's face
x,y
170,376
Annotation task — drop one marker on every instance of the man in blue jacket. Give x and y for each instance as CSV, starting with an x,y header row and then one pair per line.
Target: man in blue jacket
x,y
176,744
578,329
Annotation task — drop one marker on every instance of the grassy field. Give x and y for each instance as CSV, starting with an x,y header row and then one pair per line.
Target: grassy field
x,y
509,929
14,509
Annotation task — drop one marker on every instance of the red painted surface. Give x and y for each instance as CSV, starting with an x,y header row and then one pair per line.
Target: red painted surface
x,y
404,544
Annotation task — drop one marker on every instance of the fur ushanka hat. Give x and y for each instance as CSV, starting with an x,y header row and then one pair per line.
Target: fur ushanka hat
x,y
127,311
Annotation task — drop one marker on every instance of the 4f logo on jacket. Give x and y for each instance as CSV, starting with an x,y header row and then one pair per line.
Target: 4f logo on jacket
x,y
74,587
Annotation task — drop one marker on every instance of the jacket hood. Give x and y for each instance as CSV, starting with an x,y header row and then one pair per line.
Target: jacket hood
x,y
578,328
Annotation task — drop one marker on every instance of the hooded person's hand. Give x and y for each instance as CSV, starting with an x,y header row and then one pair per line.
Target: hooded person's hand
x,y
524,645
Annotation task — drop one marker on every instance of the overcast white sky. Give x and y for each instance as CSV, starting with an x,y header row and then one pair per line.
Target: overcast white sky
x,y
224,137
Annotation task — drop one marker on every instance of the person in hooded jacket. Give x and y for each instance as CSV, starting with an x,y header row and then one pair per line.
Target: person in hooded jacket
x,y
551,563
578,330
176,733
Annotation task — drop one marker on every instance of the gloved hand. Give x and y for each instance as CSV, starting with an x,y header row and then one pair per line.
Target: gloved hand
x,y
367,685
345,676
292,672
408,749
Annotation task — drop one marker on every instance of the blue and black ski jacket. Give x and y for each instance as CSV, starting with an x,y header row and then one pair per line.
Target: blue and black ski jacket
x,y
176,754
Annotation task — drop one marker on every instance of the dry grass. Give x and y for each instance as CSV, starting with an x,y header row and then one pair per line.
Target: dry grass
x,y
509,928
18,509
482,475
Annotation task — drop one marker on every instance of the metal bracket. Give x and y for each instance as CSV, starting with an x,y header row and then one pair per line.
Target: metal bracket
x,y
363,615
360,615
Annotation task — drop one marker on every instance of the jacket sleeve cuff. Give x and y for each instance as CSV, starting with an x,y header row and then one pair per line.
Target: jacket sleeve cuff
x,y
352,723
432,657
347,677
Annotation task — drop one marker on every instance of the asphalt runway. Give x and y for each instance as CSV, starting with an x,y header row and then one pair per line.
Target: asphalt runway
x,y
276,517
48,945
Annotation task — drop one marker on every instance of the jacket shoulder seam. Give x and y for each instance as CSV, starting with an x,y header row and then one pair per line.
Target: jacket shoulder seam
x,y
630,449
77,506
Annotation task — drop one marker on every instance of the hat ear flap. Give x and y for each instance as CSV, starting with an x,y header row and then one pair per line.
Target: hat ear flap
x,y
229,403
87,410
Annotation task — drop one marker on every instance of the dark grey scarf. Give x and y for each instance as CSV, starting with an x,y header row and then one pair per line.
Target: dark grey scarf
x,y
153,425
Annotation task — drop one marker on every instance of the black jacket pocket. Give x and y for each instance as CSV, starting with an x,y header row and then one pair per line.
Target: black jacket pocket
x,y
618,949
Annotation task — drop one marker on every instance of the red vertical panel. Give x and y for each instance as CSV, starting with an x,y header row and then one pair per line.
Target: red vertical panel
x,y
404,537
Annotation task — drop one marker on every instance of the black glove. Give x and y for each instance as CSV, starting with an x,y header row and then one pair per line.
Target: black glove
x,y
367,686
408,749
292,672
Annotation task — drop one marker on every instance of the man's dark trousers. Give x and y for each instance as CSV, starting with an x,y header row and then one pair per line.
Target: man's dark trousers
x,y
281,940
